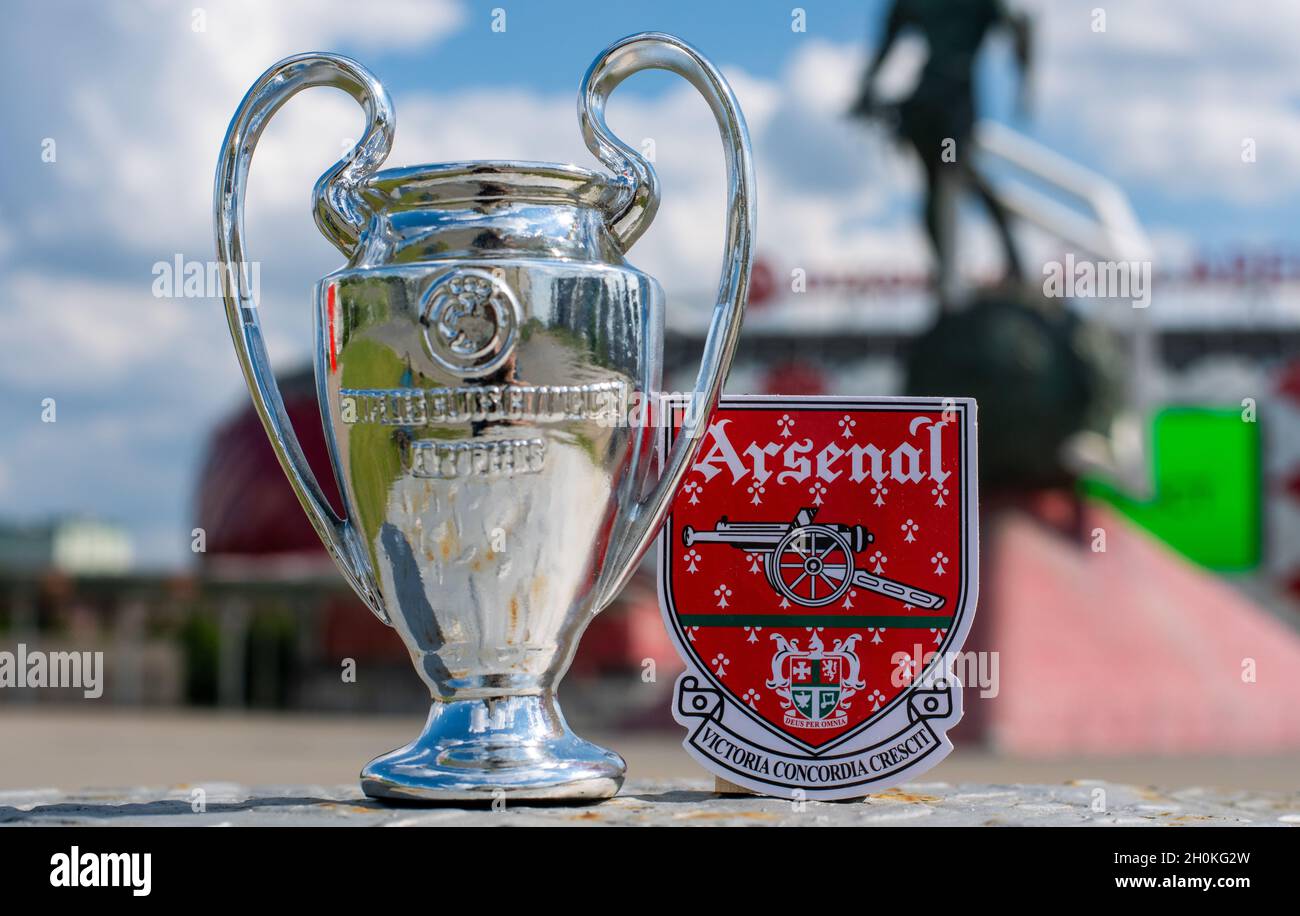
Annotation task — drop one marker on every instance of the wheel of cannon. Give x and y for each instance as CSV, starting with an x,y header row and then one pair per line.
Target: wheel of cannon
x,y
811,566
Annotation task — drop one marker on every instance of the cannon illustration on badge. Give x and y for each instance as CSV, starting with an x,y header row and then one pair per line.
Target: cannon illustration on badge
x,y
809,562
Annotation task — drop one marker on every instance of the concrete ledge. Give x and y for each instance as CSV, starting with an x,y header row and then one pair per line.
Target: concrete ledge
x,y
663,803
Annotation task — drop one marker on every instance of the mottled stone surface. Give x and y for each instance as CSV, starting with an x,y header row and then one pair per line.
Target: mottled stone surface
x,y
665,803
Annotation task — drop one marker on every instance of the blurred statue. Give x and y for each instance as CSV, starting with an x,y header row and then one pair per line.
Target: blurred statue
x,y
1040,374
938,118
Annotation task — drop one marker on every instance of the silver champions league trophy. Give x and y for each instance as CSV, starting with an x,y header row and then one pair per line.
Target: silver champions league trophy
x,y
474,360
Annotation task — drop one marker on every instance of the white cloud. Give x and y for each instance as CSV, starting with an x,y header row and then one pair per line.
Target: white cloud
x,y
1166,95
157,123
86,330
1163,97
826,184
139,124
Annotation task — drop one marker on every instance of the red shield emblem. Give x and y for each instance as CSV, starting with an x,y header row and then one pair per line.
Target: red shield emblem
x,y
817,572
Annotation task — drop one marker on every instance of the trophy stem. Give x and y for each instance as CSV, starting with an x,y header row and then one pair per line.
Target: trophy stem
x,y
516,747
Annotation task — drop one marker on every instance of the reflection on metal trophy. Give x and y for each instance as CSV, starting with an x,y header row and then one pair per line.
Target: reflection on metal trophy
x,y
474,360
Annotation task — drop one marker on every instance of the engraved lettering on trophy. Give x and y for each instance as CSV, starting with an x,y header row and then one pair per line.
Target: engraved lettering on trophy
x,y
471,321
603,402
432,458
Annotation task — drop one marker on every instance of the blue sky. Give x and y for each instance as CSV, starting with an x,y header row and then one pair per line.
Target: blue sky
x,y
137,101
543,51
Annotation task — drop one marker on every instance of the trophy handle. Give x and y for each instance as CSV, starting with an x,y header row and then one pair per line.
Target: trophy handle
x,y
659,51
340,216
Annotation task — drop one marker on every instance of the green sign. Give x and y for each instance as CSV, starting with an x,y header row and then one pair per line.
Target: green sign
x,y
1207,487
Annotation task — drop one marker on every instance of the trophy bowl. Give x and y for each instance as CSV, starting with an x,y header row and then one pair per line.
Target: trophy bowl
x,y
475,361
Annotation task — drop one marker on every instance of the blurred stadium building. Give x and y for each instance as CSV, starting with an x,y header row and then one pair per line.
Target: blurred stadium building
x,y
1137,648
1140,478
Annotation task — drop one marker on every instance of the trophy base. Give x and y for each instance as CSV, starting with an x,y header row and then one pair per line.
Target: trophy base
x,y
517,748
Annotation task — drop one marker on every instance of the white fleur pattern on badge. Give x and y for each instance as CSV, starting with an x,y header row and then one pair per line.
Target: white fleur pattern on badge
x,y
847,424
817,491
720,663
879,559
910,528
751,697
692,558
755,562
722,593
880,491
940,560
753,633
692,489
785,423
939,493
757,490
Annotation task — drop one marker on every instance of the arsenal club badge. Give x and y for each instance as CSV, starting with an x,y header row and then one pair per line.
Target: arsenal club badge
x,y
818,575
